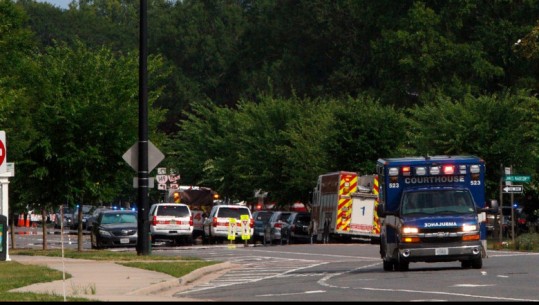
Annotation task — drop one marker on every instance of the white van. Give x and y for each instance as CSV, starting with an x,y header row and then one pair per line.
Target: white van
x,y
172,222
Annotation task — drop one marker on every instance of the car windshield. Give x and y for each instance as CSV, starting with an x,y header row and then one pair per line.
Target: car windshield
x,y
232,212
118,218
173,210
283,217
263,216
437,202
303,218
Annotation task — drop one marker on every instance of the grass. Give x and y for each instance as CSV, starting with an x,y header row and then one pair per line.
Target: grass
x,y
524,242
15,275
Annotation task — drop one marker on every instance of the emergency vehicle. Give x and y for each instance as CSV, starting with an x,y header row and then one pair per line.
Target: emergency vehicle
x,y
432,209
199,199
344,206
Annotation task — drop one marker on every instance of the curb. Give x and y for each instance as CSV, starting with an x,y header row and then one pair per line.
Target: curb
x,y
184,280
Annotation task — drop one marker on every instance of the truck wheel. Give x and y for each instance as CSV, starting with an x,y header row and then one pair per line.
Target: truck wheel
x,y
402,266
477,263
388,266
466,264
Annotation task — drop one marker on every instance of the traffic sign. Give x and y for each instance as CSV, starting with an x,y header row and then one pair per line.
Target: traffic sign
x,y
513,189
231,228
3,166
162,179
155,156
245,228
517,178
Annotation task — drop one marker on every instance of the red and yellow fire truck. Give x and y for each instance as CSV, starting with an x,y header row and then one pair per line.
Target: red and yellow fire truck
x,y
344,206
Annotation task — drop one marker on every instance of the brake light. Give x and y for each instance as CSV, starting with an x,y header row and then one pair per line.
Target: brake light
x,y
191,220
278,225
154,220
214,222
252,223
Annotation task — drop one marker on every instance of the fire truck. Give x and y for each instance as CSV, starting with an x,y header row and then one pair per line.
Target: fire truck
x,y
199,199
432,209
344,207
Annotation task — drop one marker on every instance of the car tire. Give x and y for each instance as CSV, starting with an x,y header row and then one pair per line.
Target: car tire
x,y
477,263
388,266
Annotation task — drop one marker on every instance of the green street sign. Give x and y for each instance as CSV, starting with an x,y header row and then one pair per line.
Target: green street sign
x,y
515,178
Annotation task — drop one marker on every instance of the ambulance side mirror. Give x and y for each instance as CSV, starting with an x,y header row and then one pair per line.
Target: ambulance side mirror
x,y
381,210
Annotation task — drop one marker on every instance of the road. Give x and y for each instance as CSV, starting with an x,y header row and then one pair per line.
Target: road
x,y
352,272
347,272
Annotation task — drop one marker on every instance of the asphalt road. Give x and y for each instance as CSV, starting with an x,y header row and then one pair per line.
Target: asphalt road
x,y
341,272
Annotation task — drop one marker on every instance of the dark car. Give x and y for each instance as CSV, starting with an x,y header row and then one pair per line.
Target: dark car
x,y
93,217
296,228
115,229
261,218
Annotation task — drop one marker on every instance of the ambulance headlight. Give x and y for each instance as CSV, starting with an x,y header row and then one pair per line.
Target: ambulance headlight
x,y
469,228
410,230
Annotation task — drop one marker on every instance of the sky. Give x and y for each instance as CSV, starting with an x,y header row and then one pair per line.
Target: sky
x,y
63,4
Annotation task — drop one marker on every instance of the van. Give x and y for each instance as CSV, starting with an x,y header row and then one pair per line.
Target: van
x,y
172,222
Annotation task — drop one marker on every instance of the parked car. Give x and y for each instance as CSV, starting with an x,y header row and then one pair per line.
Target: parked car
x,y
86,213
296,227
115,229
261,218
272,230
93,217
172,222
216,225
67,219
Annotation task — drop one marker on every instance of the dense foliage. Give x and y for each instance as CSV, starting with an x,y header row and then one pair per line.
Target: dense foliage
x,y
263,94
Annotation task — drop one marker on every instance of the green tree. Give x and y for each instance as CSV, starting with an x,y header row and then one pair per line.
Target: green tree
x,y
363,130
85,114
501,129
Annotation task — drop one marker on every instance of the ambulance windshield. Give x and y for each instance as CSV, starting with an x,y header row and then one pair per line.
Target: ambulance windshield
x,y
437,202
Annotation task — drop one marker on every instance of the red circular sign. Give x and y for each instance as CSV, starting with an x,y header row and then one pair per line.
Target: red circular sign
x,y
2,152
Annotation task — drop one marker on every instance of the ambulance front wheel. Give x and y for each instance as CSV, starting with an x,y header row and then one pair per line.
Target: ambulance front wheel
x,y
388,266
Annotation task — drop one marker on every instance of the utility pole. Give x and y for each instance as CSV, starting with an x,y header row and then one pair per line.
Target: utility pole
x,y
143,241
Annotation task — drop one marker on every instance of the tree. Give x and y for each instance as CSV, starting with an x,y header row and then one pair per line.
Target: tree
x,y
501,129
84,109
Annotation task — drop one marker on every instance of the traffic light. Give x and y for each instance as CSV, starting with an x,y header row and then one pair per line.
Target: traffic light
x,y
177,197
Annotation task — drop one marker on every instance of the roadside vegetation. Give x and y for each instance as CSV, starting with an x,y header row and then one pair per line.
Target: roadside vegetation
x,y
523,242
15,275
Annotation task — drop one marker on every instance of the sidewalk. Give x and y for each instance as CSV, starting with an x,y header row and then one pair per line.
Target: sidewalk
x,y
107,281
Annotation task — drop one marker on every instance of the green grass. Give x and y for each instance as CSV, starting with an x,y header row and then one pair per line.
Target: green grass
x,y
14,275
523,242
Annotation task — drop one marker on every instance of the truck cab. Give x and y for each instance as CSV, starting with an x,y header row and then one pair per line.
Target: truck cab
x,y
432,209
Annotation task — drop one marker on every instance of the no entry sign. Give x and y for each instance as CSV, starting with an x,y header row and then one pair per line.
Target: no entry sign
x,y
3,151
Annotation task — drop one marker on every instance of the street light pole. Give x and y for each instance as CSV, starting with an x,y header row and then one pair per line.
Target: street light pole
x,y
143,242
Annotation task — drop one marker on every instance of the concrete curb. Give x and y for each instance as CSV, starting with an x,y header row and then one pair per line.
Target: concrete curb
x,y
184,280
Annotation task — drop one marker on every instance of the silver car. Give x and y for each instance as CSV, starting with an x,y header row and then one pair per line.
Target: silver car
x,y
272,231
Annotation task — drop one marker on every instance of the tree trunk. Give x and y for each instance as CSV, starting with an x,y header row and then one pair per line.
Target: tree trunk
x,y
79,230
44,226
